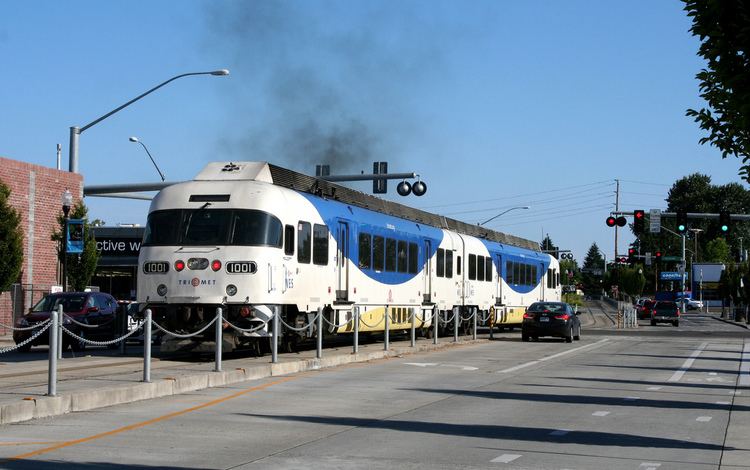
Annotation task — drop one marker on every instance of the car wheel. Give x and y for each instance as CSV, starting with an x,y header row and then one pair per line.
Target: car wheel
x,y
524,337
25,348
569,336
577,337
676,323
653,323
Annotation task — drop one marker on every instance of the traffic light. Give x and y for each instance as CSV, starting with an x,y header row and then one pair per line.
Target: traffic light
x,y
658,257
631,255
611,221
724,219
682,224
639,221
619,221
622,259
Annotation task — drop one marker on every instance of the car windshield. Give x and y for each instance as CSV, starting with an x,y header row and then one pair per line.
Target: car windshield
x,y
546,307
70,303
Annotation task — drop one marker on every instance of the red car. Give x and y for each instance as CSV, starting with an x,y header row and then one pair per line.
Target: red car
x,y
644,312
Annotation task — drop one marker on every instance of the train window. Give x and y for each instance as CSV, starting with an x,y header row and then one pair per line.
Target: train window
x,y
304,242
162,228
413,258
488,269
448,263
509,272
440,262
205,227
533,275
517,279
528,275
390,254
401,255
557,278
378,253
252,228
458,265
288,240
472,267
480,268
365,251
320,244
549,279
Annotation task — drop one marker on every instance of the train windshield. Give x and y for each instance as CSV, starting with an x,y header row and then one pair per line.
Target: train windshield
x,y
205,227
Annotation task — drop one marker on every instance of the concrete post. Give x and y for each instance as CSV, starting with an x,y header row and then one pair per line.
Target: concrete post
x,y
276,336
219,337
474,336
456,316
319,352
147,347
434,325
52,368
58,327
412,312
356,330
387,327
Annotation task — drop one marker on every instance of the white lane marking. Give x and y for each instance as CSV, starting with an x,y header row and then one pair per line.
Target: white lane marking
x,y
559,432
703,419
712,373
600,413
654,388
421,364
687,364
547,358
649,466
745,367
456,366
723,402
632,398
506,458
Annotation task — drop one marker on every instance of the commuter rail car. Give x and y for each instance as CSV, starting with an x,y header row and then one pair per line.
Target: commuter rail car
x,y
252,237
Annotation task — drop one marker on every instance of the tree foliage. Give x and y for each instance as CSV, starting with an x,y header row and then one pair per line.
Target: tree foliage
x,y
724,30
717,251
80,267
11,241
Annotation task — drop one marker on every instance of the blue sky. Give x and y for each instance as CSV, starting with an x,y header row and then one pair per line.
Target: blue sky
x,y
495,104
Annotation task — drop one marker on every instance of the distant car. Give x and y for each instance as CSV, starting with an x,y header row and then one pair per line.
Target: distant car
x,y
91,308
550,319
665,311
693,304
644,311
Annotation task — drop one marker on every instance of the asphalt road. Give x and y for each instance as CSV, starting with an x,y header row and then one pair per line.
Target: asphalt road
x,y
654,398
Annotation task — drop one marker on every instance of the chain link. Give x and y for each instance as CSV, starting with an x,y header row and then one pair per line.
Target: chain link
x,y
371,326
46,324
445,322
335,325
189,335
468,318
25,328
303,328
101,343
245,330
86,325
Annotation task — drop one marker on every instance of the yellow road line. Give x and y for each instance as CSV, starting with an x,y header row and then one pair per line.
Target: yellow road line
x,y
148,422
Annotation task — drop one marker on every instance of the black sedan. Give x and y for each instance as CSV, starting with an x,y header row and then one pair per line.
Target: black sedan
x,y
551,319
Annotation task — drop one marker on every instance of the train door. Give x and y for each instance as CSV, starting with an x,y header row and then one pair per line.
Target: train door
x,y
427,250
342,257
461,280
499,287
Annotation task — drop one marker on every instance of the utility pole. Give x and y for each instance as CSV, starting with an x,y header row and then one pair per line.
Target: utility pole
x,y
617,209
682,274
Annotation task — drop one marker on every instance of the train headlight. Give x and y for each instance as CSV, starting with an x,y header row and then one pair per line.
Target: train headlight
x,y
231,290
179,265
216,265
161,290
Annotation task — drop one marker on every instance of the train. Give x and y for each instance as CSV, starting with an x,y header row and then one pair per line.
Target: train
x,y
255,238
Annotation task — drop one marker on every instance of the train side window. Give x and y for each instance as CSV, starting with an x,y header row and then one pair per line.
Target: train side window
x,y
448,263
390,254
533,275
557,278
517,279
413,258
401,254
289,240
320,245
365,251
529,269
440,263
472,267
509,272
458,265
378,253
480,268
549,279
304,242
488,269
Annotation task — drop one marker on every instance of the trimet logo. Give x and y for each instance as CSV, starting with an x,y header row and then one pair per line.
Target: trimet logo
x,y
195,282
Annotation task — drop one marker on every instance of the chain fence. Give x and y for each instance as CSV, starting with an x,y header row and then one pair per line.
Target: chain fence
x,y
186,335
44,327
100,343
302,328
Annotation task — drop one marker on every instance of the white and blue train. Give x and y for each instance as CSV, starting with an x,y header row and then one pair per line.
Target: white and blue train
x,y
252,236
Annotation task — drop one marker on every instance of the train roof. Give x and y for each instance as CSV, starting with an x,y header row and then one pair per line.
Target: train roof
x,y
283,177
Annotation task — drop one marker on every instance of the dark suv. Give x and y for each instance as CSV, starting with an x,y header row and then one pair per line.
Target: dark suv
x,y
91,308
665,311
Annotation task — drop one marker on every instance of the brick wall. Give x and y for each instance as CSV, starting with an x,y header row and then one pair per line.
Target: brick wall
x,y
36,192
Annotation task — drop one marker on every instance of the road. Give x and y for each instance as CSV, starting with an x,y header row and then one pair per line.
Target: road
x,y
654,398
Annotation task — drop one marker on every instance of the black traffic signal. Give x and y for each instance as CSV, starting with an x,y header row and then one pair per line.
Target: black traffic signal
x,y
639,221
631,255
682,224
619,221
611,221
658,256
724,219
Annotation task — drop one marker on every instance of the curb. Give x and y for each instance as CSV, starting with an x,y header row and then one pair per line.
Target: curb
x,y
44,407
730,322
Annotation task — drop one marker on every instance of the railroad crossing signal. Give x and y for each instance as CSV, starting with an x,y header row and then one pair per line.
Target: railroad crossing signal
x,y
682,224
639,221
619,221
724,219
631,255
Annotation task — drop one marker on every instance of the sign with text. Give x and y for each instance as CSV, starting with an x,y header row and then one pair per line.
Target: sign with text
x,y
669,276
118,246
654,217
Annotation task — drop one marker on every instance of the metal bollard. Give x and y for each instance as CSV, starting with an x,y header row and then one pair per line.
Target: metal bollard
x,y
275,339
319,352
474,335
356,330
52,371
60,316
455,323
413,311
434,324
387,328
219,337
147,347
123,327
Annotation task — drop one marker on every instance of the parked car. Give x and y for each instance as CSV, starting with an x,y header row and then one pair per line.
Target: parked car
x,y
90,308
550,319
644,311
665,311
693,304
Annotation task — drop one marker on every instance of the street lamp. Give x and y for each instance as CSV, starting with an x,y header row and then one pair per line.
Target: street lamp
x,y
77,131
504,212
67,202
135,139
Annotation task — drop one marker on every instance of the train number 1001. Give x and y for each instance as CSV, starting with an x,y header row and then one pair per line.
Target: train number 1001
x,y
241,267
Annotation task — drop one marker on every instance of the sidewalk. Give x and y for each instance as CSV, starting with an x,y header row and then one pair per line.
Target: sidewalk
x,y
106,379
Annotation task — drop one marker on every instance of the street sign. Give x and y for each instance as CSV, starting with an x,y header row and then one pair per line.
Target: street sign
x,y
648,258
670,276
654,221
671,258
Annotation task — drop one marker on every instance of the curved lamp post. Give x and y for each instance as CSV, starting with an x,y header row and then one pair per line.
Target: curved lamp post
x,y
135,139
76,131
504,212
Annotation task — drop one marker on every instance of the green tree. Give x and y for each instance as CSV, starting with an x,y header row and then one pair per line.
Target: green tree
x,y
80,267
632,281
548,247
11,240
717,251
592,264
724,30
